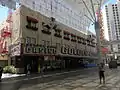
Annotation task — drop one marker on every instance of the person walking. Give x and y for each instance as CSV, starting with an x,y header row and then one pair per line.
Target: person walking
x,y
28,69
1,71
101,72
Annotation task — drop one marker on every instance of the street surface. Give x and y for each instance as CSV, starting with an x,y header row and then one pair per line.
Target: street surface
x,y
86,79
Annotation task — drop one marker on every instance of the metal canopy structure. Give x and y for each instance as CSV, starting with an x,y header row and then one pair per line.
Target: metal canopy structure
x,y
111,42
8,3
88,7
91,8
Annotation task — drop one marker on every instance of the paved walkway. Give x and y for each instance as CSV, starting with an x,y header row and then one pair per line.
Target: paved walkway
x,y
86,81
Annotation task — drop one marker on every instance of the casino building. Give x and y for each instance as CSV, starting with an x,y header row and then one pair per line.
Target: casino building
x,y
41,41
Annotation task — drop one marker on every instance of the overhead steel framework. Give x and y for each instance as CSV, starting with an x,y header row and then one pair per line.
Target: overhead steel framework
x,y
93,7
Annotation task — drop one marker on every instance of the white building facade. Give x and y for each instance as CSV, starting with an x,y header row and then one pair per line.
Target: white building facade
x,y
113,24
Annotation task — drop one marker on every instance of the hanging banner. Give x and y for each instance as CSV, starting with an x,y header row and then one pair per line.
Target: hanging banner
x,y
15,49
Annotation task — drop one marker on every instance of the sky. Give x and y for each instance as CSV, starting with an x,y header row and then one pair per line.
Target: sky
x,y
3,13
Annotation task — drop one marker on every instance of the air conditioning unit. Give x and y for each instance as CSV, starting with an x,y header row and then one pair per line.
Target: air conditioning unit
x,y
89,36
52,19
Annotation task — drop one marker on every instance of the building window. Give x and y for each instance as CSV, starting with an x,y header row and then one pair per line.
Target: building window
x,y
73,37
32,23
43,43
118,46
66,35
57,32
33,40
28,40
79,39
46,28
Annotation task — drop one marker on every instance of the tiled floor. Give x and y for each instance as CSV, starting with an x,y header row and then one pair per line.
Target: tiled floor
x,y
88,81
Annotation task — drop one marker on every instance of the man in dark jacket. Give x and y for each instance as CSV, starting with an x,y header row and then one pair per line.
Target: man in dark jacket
x,y
101,72
1,71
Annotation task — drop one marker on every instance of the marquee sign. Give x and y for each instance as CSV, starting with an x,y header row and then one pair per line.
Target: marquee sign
x,y
15,50
73,51
39,49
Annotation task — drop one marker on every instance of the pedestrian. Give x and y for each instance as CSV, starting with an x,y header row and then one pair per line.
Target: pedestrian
x,y
101,72
28,69
1,71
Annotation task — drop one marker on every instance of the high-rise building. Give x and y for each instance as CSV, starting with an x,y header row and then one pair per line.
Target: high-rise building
x,y
113,24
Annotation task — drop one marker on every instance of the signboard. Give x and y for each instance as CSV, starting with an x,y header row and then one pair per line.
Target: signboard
x,y
104,50
8,3
15,50
52,50
39,49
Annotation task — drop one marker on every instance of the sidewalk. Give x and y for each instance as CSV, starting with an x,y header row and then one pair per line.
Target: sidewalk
x,y
27,81
44,75
87,81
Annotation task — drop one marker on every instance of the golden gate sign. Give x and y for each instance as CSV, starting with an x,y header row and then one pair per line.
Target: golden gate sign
x,y
41,49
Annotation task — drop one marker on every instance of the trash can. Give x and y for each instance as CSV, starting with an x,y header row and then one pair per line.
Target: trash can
x,y
113,64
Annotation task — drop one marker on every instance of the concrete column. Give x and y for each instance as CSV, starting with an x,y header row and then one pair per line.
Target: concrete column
x,y
9,60
97,30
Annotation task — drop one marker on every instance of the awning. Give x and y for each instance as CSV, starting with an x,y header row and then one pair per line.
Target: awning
x,y
75,56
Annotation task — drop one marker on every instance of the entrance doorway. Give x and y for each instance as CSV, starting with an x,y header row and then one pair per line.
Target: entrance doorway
x,y
33,62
